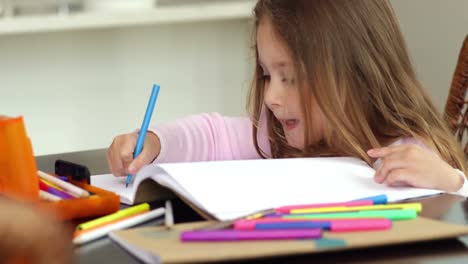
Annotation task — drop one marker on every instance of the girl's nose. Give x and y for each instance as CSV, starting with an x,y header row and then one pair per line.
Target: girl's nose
x,y
273,95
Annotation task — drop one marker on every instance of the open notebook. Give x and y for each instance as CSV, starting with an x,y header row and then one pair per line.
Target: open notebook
x,y
229,189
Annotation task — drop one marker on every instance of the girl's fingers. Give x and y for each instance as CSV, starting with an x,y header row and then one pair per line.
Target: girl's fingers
x,y
385,151
389,163
120,153
112,166
114,162
150,151
399,177
144,158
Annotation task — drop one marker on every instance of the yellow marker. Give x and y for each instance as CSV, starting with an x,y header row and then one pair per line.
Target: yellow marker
x,y
415,206
52,185
255,216
70,188
48,183
112,217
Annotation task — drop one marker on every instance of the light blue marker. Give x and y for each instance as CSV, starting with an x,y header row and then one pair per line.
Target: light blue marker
x,y
377,199
144,127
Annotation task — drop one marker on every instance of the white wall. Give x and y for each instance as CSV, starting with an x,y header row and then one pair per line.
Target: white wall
x,y
434,30
79,89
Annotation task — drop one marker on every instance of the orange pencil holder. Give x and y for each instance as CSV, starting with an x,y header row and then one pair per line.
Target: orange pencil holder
x,y
100,202
19,178
18,170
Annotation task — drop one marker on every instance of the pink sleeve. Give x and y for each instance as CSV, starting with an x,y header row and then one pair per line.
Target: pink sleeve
x,y
208,137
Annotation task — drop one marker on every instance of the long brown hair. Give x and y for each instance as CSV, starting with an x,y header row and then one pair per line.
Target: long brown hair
x,y
351,57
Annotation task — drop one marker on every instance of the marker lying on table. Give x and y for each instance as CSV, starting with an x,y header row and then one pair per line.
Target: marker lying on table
x,y
86,237
397,214
119,214
378,199
288,209
234,235
144,127
369,203
91,229
338,225
372,200
414,206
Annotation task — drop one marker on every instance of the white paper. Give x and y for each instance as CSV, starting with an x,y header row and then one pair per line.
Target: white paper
x,y
114,184
230,189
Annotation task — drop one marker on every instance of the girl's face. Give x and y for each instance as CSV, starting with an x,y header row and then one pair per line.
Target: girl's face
x,y
281,94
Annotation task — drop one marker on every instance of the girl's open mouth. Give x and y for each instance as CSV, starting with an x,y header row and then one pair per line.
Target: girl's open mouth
x,y
290,124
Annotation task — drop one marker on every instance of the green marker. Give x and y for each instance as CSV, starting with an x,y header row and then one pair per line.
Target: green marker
x,y
399,214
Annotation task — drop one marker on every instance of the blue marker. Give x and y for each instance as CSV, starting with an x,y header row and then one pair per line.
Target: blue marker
x,y
293,225
378,199
144,127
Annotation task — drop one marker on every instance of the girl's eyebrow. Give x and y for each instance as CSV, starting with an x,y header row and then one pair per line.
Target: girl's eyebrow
x,y
280,64
276,65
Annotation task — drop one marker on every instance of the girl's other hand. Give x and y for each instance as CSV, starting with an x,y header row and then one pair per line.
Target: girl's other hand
x,y
410,164
120,153
30,236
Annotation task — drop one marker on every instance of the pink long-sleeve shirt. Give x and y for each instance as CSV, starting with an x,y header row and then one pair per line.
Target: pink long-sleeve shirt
x,y
210,137
207,137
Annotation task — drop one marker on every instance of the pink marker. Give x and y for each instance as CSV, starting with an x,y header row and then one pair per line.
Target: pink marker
x,y
246,224
287,209
235,235
335,225
361,225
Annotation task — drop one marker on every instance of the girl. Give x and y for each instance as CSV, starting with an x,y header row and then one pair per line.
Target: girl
x,y
332,78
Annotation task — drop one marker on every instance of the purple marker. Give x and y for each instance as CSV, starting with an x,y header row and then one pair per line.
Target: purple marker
x,y
234,235
59,193
63,178
54,191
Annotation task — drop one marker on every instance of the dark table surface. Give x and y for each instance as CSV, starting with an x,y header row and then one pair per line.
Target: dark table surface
x,y
449,208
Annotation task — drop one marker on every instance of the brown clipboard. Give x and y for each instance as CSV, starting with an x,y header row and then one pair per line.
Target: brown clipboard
x,y
158,244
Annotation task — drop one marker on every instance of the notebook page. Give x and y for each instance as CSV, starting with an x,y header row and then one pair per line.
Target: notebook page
x,y
127,195
230,189
114,184
161,176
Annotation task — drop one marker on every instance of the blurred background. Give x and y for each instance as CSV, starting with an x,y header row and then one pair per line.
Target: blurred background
x,y
81,71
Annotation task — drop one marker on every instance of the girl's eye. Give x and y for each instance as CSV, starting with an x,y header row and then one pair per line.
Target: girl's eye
x,y
287,81
266,77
